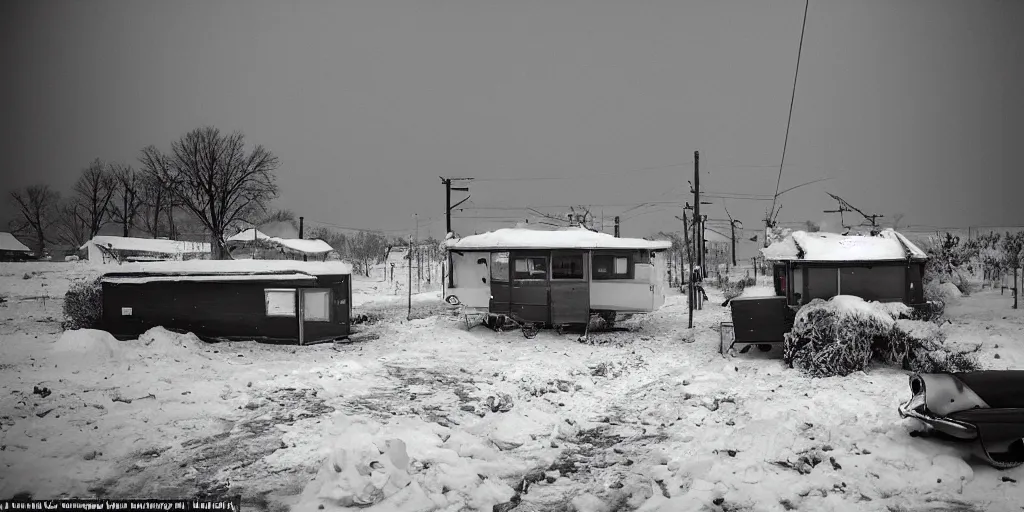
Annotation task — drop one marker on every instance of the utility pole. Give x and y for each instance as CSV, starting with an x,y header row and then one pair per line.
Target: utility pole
x,y
419,262
408,255
732,225
301,232
616,226
689,279
696,211
448,188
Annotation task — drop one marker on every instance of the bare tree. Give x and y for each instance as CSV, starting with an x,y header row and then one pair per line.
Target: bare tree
x,y
37,209
157,196
94,192
218,181
128,194
337,241
368,247
71,226
1012,246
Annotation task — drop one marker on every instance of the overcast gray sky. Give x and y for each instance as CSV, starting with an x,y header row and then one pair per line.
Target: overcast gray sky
x,y
911,107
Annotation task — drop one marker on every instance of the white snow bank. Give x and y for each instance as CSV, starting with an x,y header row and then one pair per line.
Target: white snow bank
x,y
237,266
120,243
820,246
568,238
950,291
315,246
9,243
88,344
406,461
160,341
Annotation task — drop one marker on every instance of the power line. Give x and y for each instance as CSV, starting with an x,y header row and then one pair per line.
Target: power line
x,y
792,100
615,173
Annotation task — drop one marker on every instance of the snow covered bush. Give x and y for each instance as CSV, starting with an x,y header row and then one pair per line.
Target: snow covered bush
x,y
733,289
836,337
845,334
83,305
951,261
920,347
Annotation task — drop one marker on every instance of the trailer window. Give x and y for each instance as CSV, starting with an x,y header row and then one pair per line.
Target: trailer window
x,y
531,268
280,301
499,267
611,266
567,266
316,305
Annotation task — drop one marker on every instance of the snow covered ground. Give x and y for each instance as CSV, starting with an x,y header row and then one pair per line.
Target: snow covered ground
x,y
651,418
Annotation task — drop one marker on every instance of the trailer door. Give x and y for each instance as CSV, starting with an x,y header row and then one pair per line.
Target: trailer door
x,y
570,288
500,288
529,297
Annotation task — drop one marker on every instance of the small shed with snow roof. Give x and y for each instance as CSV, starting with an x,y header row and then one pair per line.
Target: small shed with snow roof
x,y
290,301
11,249
886,267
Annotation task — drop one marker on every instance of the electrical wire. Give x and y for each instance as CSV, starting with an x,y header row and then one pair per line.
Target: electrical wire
x,y
570,177
792,101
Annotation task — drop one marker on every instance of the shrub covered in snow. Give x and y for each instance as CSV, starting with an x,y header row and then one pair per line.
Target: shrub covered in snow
x,y
845,334
83,305
733,289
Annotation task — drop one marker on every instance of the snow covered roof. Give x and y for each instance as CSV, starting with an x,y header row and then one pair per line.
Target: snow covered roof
x,y
9,243
249,234
819,246
295,244
219,278
305,246
567,238
226,270
120,243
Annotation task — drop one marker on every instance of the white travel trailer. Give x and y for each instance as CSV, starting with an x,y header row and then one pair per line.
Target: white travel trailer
x,y
556,277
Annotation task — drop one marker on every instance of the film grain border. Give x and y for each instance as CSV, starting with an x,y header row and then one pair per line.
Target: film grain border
x,y
231,504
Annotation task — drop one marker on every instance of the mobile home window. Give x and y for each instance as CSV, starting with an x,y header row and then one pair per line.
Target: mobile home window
x,y
280,301
610,266
567,266
316,305
531,268
499,267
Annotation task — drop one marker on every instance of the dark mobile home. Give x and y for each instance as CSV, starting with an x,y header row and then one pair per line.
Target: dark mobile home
x,y
235,300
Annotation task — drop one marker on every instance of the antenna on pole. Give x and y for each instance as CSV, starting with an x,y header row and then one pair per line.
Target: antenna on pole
x,y
845,206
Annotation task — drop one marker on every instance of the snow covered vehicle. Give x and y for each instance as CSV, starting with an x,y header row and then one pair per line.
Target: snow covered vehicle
x,y
555,278
985,408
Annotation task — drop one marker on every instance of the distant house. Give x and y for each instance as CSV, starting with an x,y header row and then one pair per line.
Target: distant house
x,y
290,301
254,244
884,268
117,249
11,249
